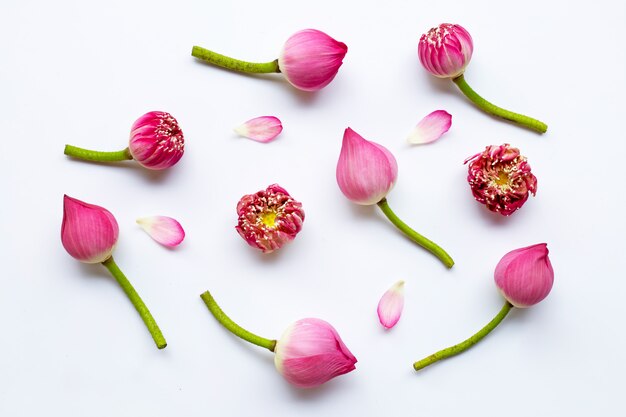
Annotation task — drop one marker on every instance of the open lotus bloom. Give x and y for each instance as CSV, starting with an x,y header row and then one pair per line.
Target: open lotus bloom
x,y
164,230
390,305
261,129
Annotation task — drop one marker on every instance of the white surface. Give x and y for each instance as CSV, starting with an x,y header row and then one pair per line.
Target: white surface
x,y
82,72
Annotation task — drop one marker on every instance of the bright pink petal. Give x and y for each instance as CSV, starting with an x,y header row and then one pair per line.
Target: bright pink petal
x,y
431,128
164,230
391,304
261,129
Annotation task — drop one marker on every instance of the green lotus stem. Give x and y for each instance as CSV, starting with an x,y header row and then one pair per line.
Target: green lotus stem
x,y
234,64
88,155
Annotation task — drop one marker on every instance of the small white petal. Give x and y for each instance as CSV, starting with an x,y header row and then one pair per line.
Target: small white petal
x,y
391,304
164,230
431,128
261,129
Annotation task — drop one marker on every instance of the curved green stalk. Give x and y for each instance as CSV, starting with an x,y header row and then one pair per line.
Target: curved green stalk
x,y
491,108
233,327
141,308
234,64
88,155
466,344
424,242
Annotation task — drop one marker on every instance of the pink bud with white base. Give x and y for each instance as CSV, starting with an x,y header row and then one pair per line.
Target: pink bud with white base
x,y
525,276
310,59
156,140
310,352
88,232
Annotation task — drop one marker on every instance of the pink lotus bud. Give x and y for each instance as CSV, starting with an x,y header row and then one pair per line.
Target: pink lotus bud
x,y
446,50
525,276
391,304
500,178
310,59
366,171
310,352
269,218
156,141
88,232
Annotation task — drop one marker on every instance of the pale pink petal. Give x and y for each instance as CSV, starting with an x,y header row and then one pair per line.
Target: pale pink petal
x,y
164,230
431,128
391,304
261,129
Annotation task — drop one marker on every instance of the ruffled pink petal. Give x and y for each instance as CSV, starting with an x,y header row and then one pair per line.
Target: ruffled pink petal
x,y
261,129
431,128
391,304
165,230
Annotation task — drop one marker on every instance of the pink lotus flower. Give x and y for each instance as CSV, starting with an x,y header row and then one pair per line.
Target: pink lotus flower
x,y
366,171
261,129
269,218
310,352
156,141
500,178
164,230
525,276
446,50
390,305
88,232
431,128
310,59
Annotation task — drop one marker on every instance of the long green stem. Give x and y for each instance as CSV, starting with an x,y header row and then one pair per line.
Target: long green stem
x,y
232,63
466,344
424,242
491,108
141,308
88,155
233,327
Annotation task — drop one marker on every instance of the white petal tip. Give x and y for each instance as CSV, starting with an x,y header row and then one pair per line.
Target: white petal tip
x,y
261,129
164,230
390,305
431,128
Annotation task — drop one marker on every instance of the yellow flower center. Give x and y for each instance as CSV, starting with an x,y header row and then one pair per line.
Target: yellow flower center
x,y
269,218
503,179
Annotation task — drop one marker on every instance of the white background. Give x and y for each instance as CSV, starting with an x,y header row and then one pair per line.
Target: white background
x,y
81,72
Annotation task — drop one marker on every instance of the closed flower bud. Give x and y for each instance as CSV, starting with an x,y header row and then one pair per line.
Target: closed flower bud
x,y
310,352
88,232
310,59
446,50
525,276
156,140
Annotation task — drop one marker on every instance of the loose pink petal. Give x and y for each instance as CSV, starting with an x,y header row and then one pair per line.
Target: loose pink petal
x,y
261,129
391,304
431,128
164,230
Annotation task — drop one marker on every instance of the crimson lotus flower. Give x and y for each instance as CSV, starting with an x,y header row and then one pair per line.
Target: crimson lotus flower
x,y
309,60
309,353
89,234
366,172
500,178
156,142
524,277
269,218
445,51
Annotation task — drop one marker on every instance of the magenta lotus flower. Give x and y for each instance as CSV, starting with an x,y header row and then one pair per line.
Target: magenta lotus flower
x,y
390,305
431,128
309,60
524,276
156,142
164,230
445,51
366,172
309,353
269,218
261,129
89,233
500,178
